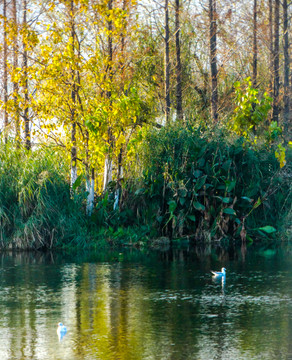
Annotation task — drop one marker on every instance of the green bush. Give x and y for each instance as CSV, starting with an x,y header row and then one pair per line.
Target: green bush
x,y
201,183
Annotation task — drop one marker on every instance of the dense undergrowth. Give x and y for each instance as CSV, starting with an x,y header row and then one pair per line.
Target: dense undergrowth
x,y
36,209
190,184
202,185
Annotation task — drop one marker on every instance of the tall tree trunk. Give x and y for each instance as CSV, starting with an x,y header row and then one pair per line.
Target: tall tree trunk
x,y
108,163
15,83
110,47
123,42
271,47
5,70
276,62
90,185
166,64
26,97
108,171
287,114
255,46
179,110
119,176
73,98
213,59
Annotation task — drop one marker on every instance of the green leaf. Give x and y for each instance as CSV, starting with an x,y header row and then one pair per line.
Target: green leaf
x,y
268,229
197,173
249,239
207,186
230,185
218,197
182,200
229,211
227,200
199,206
226,165
247,199
171,206
183,193
200,182
77,182
201,162
258,203
192,217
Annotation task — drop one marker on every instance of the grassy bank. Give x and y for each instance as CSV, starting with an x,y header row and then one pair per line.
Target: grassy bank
x,y
189,184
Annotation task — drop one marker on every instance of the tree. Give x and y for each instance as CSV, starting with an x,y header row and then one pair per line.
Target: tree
x,y
179,109
27,135
166,62
276,62
14,67
5,70
213,59
108,164
271,47
287,116
255,46
74,90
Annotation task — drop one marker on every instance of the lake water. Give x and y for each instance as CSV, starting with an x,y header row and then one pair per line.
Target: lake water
x,y
147,305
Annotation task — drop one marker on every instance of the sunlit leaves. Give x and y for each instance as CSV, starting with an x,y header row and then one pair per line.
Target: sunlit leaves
x,y
280,154
251,109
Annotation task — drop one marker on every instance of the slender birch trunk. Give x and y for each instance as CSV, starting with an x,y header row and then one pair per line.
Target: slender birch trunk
x,y
166,63
27,136
287,94
108,171
255,46
90,186
271,47
73,99
179,110
108,164
15,83
5,71
276,62
119,176
213,59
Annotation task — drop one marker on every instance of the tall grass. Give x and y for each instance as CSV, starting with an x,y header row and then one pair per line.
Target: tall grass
x,y
36,209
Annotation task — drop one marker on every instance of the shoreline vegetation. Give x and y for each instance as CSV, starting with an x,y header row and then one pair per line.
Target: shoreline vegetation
x,y
144,123
190,184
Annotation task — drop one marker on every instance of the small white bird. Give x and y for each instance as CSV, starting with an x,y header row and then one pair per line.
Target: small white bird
x,y
61,331
219,274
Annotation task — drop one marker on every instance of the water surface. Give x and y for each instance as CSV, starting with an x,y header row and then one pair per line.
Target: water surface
x,y
155,305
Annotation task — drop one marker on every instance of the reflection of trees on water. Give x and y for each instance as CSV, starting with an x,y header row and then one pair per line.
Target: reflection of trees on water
x,y
203,253
163,305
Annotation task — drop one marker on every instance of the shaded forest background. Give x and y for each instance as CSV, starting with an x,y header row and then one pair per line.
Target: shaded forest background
x,y
124,121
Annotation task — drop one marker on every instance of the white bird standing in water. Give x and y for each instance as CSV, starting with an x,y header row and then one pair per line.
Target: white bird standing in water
x,y
219,274
61,331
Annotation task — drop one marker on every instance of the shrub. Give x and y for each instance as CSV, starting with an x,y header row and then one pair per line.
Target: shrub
x,y
198,183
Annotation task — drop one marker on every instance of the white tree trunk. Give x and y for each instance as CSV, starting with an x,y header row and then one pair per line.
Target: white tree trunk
x,y
117,198
108,172
73,174
90,185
